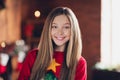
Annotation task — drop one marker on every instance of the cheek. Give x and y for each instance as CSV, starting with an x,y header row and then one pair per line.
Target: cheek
x,y
68,33
52,33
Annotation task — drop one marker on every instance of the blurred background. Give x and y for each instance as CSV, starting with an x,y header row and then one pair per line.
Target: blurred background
x,y
21,24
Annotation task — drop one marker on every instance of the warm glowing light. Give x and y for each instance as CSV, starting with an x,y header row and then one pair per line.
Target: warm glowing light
x,y
37,13
21,56
4,59
20,42
115,33
106,33
3,44
110,30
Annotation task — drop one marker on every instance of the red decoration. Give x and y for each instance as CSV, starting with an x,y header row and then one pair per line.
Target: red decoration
x,y
28,30
19,66
2,69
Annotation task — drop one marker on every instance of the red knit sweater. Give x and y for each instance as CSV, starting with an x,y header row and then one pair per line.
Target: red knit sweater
x,y
55,67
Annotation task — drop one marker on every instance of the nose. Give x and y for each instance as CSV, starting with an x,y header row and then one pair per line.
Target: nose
x,y
60,31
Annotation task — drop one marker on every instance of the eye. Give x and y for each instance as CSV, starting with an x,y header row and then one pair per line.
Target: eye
x,y
67,27
54,26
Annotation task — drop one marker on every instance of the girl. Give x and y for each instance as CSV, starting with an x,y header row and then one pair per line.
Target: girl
x,y
58,56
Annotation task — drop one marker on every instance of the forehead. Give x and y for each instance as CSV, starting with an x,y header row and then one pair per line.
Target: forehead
x,y
61,18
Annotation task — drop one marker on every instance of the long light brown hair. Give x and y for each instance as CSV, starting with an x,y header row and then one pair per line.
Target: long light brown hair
x,y
46,47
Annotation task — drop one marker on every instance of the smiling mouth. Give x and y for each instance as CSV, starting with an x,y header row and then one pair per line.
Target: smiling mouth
x,y
60,38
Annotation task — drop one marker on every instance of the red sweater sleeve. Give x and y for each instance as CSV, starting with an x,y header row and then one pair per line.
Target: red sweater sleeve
x,y
27,65
81,70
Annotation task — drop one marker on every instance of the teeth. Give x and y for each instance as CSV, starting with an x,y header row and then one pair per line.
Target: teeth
x,y
59,38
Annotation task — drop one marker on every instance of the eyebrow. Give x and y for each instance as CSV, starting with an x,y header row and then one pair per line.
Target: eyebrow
x,y
67,23
53,23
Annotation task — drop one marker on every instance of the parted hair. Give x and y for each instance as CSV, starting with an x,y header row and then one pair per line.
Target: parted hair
x,y
46,47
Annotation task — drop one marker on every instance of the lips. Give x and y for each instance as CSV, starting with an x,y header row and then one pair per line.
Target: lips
x,y
60,38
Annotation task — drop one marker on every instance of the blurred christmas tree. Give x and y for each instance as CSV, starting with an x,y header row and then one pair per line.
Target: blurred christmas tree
x,y
50,76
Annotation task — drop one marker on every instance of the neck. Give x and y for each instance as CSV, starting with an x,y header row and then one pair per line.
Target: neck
x,y
61,49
